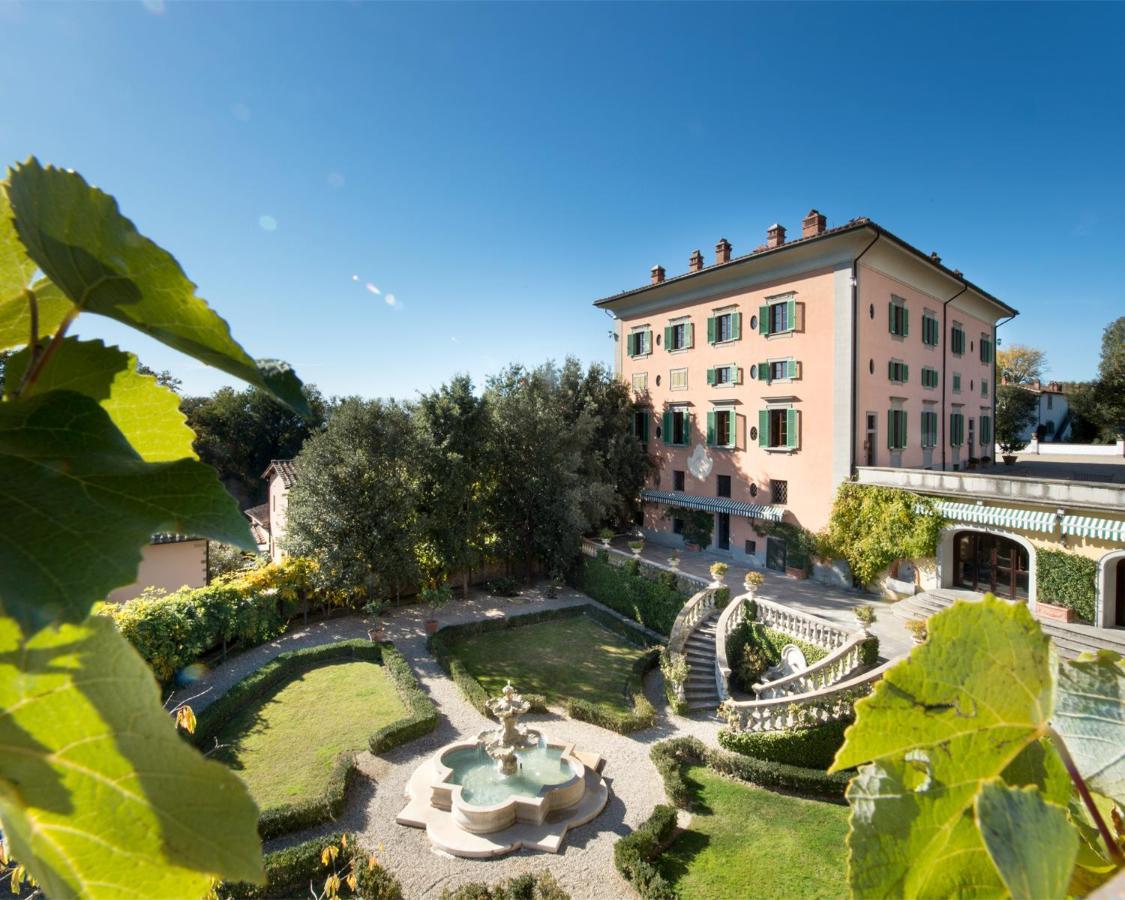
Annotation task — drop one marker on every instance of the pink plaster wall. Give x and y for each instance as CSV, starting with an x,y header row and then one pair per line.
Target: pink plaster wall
x,y
167,566
279,506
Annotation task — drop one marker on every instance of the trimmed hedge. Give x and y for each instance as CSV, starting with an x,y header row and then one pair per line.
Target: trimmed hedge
x,y
869,651
1067,579
635,854
421,719
812,748
654,602
442,644
528,886
290,871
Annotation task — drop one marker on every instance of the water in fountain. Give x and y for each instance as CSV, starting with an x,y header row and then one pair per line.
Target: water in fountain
x,y
484,784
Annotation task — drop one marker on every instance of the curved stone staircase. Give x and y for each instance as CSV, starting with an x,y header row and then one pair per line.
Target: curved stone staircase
x,y
700,691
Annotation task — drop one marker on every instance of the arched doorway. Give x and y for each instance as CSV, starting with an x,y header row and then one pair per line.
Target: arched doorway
x,y
1111,590
990,562
1119,607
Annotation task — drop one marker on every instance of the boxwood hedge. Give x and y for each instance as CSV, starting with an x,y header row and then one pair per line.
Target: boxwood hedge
x,y
812,748
1067,579
654,602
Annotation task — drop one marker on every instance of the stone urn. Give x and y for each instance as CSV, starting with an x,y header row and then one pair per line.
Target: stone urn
x,y
377,633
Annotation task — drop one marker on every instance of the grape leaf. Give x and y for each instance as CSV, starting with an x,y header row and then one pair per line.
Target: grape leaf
x,y
75,233
15,314
1090,716
16,269
71,488
986,666
1030,840
99,796
146,413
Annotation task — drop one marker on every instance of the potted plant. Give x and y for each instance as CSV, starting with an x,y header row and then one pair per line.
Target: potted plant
x,y
1016,409
372,610
864,615
637,546
917,629
435,598
718,572
605,536
674,561
752,581
973,462
699,525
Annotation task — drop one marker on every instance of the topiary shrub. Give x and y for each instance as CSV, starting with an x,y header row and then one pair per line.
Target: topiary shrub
x,y
635,854
1067,579
528,886
810,748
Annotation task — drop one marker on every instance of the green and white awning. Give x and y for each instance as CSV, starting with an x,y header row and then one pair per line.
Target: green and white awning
x,y
1092,526
1003,516
714,504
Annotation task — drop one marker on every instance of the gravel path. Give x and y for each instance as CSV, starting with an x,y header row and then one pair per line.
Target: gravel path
x,y
584,867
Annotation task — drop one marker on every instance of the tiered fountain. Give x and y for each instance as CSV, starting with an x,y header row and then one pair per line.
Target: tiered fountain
x,y
509,788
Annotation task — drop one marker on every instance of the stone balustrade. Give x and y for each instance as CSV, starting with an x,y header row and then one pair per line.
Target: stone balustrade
x,y
803,626
734,614
842,662
801,710
695,611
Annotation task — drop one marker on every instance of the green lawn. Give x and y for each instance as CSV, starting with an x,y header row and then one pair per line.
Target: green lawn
x,y
561,658
748,842
284,746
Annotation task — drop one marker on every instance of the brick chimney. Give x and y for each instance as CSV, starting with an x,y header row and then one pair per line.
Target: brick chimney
x,y
775,236
722,251
696,261
813,224
657,274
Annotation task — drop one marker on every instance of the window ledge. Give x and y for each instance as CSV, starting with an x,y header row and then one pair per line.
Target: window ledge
x,y
780,334
726,343
781,449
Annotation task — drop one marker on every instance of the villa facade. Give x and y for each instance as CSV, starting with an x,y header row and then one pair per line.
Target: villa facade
x,y
763,382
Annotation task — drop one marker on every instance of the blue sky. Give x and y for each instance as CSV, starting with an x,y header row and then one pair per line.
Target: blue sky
x,y
497,168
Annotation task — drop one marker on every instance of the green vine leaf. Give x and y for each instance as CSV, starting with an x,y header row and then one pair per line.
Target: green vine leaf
x,y
16,269
147,414
99,797
77,236
72,488
1090,716
15,315
1030,840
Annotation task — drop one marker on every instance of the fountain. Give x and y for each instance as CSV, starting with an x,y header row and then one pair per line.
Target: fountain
x,y
509,788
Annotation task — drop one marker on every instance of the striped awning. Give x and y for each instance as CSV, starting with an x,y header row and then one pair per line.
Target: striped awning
x,y
1004,516
714,504
1092,526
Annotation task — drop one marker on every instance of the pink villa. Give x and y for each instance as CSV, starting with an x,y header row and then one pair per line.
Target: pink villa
x,y
764,381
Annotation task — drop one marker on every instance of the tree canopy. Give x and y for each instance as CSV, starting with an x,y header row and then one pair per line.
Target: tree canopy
x,y
1020,364
1016,411
1102,402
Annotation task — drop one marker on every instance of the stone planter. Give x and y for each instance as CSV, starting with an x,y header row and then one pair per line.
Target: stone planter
x,y
1053,612
799,574
378,633
431,626
1009,459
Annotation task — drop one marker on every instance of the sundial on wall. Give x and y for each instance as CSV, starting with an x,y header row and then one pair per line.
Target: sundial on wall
x,y
699,463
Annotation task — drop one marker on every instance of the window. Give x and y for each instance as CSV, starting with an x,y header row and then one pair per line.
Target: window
x,y
639,343
983,388
677,479
779,428
677,526
930,330
956,429
985,349
731,374
679,336
896,429
956,383
779,370
677,379
751,548
677,427
640,382
779,492
986,432
929,377
721,428
957,339
640,425
725,326
929,428
1050,401
722,485
898,372
899,317
778,317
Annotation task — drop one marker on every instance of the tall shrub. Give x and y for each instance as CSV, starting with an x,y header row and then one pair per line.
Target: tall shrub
x,y
1067,579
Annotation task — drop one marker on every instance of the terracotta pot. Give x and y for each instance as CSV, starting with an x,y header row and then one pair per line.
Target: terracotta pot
x,y
1053,612
1009,459
799,574
431,626
693,547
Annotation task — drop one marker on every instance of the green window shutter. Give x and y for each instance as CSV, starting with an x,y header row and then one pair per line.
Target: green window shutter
x,y
902,429
667,428
629,344
668,337
710,329
711,376
792,368
905,321
763,427
689,335
764,372
736,326
791,314
905,373
792,427
732,425
890,429
648,341
736,374
891,317
890,371
711,428
764,319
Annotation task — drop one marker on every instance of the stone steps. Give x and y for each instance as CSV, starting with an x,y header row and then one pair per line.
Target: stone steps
x,y
699,650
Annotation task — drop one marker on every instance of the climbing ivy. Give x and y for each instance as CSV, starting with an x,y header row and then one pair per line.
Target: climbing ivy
x,y
98,795
990,768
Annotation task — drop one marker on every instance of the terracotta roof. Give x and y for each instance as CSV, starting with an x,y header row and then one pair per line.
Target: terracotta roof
x,y
857,224
284,469
259,514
